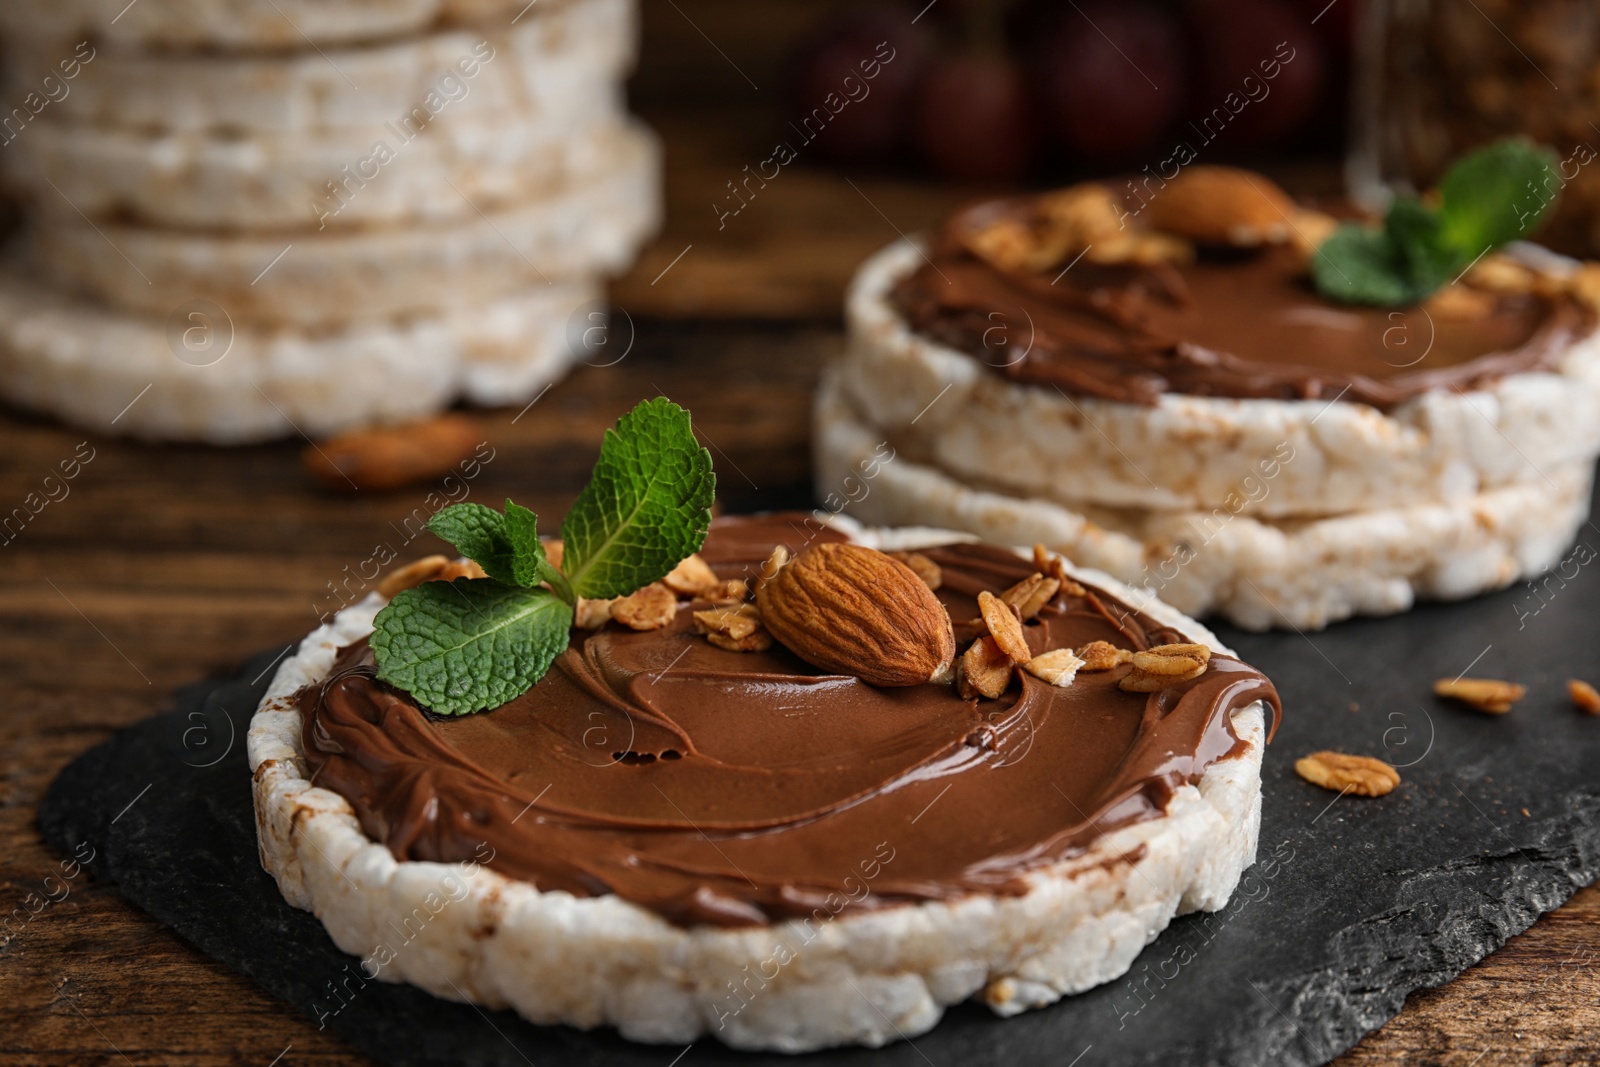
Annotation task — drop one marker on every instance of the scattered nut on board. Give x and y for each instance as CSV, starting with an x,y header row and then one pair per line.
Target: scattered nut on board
x,y
388,457
1584,696
1485,694
1343,773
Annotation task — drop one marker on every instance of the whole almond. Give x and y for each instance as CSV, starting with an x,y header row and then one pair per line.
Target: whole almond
x,y
1223,206
389,457
855,610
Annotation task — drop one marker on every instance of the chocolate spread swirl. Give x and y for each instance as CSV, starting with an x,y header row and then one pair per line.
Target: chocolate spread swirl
x,y
1234,323
740,788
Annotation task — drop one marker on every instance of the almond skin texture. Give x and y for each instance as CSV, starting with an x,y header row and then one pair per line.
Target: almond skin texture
x,y
1223,206
855,610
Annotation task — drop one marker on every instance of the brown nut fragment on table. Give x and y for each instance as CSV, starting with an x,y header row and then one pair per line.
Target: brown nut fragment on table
x,y
984,671
1485,694
650,608
411,575
1344,773
1157,668
1103,656
592,614
1030,595
1584,696
1059,666
388,457
931,573
555,550
1004,627
854,610
737,628
1223,206
693,576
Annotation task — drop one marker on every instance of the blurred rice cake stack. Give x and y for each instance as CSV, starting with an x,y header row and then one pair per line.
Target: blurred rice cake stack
x,y
249,218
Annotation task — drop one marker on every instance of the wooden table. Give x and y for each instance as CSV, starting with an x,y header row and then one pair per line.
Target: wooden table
x,y
166,565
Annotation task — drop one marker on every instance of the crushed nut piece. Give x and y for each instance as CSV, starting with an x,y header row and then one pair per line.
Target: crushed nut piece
x,y
1459,303
1103,656
1485,694
1584,285
1584,696
1172,659
931,573
774,563
1030,595
460,568
1500,273
554,550
984,670
737,629
1310,229
1006,244
650,608
1156,668
1058,667
734,589
1344,773
1048,563
592,614
1004,626
412,575
1141,249
691,577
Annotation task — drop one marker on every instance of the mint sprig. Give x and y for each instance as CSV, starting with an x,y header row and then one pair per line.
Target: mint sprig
x,y
1486,199
475,643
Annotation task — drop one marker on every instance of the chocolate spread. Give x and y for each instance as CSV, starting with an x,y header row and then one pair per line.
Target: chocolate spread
x,y
738,788
1234,323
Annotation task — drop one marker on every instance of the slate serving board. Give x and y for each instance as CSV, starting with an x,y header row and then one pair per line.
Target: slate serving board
x,y
1353,902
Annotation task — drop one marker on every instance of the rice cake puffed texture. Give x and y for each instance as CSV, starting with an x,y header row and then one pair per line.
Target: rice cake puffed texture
x,y
1259,573
594,225
121,374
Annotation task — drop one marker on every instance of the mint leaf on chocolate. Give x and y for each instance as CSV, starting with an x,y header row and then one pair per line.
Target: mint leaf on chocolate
x,y
470,644
646,507
1486,199
475,643
480,534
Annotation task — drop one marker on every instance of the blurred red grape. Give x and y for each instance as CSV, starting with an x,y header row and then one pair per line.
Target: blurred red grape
x,y
1110,76
873,126
1242,39
974,122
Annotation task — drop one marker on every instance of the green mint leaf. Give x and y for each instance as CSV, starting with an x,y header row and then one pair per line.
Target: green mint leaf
x,y
506,546
528,565
1414,234
1494,195
646,507
1359,265
479,533
470,644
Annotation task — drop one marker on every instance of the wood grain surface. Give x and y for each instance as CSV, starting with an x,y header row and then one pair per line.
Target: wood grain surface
x,y
165,565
